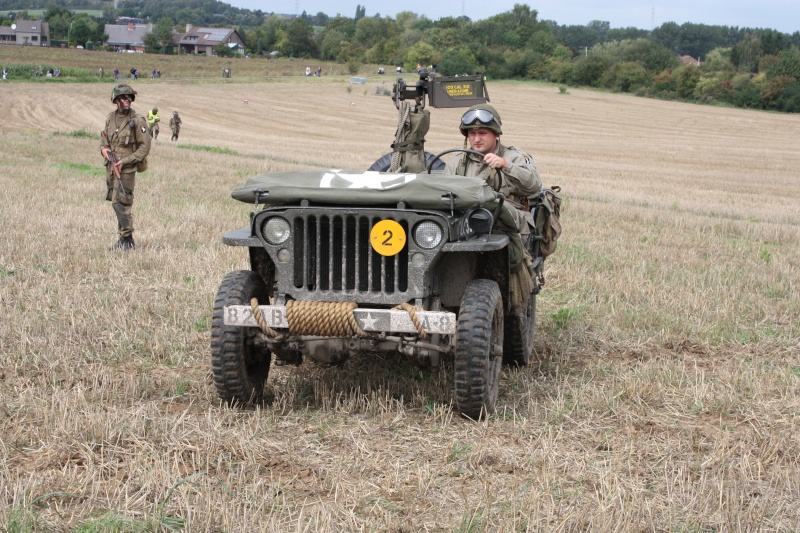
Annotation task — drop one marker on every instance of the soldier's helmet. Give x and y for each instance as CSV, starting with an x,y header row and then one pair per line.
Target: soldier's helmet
x,y
122,88
174,112
481,116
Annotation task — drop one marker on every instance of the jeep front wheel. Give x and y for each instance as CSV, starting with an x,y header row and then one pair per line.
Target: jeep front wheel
x,y
479,349
240,366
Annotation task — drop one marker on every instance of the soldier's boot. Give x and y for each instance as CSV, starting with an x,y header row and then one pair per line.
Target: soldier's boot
x,y
128,244
125,244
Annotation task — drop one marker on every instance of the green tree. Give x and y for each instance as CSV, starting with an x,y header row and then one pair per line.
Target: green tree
x,y
788,64
457,61
160,36
747,53
589,69
84,29
686,79
627,76
223,50
372,30
58,18
300,40
420,54
361,12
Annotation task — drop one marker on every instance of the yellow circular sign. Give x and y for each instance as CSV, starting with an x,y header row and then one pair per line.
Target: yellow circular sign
x,y
387,238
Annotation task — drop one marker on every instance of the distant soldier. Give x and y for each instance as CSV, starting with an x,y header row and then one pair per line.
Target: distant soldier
x,y
152,120
124,144
175,125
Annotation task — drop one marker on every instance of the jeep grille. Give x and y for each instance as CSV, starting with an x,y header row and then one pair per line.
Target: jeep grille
x,y
332,259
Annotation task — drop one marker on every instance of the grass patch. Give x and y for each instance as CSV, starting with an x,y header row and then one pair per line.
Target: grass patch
x,y
78,134
84,168
212,149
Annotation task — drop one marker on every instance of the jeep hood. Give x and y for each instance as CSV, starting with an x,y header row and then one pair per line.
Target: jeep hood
x,y
353,188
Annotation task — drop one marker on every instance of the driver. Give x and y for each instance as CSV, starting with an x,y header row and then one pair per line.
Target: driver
x,y
505,168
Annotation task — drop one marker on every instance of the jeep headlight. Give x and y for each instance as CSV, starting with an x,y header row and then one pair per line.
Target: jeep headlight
x,y
276,230
428,235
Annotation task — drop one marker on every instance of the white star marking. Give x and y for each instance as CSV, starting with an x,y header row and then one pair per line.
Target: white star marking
x,y
366,180
369,322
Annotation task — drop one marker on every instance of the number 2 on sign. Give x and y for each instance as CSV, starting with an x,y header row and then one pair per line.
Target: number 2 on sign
x,y
387,237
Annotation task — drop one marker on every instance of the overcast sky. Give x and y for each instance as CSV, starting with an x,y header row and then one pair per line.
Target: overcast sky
x,y
782,15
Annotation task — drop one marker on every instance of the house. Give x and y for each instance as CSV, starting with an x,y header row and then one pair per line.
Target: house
x,y
26,33
689,60
125,37
203,40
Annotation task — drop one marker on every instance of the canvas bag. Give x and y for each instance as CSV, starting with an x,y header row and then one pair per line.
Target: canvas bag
x,y
412,147
547,219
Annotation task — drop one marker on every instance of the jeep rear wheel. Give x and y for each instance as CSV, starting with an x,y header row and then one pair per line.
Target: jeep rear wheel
x,y
520,329
479,349
240,367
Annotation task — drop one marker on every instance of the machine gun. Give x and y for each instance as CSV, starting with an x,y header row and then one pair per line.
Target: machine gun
x,y
442,91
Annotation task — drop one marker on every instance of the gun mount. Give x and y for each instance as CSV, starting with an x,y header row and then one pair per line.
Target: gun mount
x,y
442,91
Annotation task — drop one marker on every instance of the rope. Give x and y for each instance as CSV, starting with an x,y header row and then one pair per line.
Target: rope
x,y
326,319
412,313
403,128
260,319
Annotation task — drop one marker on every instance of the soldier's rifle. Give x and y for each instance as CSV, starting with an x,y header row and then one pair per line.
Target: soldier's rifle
x,y
113,159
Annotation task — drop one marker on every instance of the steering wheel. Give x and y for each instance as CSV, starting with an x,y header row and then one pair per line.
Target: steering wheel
x,y
500,196
440,154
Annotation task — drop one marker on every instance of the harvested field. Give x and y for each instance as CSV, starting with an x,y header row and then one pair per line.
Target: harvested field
x,y
665,396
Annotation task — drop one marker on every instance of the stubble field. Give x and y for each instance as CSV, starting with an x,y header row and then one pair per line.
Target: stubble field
x,y
666,392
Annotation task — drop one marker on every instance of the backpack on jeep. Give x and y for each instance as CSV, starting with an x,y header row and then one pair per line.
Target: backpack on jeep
x,y
547,213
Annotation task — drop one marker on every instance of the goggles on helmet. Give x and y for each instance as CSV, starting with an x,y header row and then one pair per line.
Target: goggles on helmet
x,y
472,116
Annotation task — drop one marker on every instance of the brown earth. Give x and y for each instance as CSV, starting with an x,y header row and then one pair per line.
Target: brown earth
x,y
665,396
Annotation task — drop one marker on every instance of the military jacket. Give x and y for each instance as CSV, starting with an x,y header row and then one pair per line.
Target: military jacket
x,y
128,137
517,179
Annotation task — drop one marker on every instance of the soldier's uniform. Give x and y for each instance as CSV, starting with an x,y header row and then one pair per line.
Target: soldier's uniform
x,y
516,180
175,125
129,140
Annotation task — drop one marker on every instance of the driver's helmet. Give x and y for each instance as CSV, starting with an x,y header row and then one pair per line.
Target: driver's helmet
x,y
481,116
155,110
122,88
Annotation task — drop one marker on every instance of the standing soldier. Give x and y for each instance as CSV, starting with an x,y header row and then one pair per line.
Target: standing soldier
x,y
124,144
175,125
153,119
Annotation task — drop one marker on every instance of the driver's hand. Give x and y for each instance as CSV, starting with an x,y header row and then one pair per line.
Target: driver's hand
x,y
494,161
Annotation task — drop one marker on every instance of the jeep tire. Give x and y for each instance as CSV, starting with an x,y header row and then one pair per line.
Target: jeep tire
x,y
479,349
240,367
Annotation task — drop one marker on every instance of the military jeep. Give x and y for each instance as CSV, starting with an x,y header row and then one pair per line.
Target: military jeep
x,y
350,262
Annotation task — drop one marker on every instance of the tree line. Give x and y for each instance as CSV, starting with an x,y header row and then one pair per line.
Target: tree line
x,y
747,67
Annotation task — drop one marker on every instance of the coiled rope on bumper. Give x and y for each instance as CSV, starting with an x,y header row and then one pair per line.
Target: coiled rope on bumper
x,y
412,314
326,319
